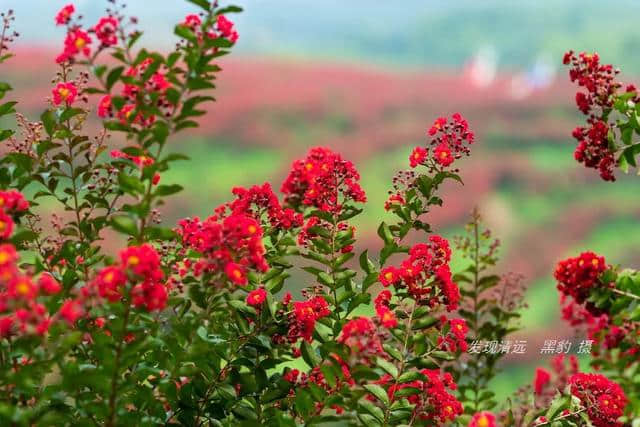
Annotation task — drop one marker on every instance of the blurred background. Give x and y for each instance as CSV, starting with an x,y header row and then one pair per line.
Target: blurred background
x,y
368,79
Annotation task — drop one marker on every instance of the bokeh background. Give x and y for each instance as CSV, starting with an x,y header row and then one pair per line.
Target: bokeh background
x,y
368,78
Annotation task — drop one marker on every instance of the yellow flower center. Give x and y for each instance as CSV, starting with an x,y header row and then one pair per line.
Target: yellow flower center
x,y
23,288
483,421
80,43
64,92
133,260
388,275
108,278
252,229
4,257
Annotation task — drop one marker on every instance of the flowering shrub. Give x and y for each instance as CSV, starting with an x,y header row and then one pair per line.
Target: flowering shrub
x,y
194,324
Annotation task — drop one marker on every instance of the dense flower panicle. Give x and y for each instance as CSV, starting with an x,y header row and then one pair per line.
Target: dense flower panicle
x,y
579,275
255,200
64,15
231,245
450,139
303,317
323,180
599,82
105,31
483,419
21,312
432,399
139,266
361,335
604,399
64,93
425,274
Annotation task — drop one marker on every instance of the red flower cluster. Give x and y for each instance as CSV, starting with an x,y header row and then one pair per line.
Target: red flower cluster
x,y
257,200
223,28
362,337
604,399
385,314
433,401
456,337
11,202
451,139
64,92
105,31
230,245
323,180
20,312
302,320
577,276
140,266
426,274
601,89
295,377
156,85
140,161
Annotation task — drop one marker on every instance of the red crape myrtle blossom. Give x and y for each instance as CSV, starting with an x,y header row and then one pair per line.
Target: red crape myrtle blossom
x,y
483,419
64,92
259,199
386,316
21,308
223,28
361,335
541,379
231,245
433,401
64,15
302,320
425,274
604,399
140,267
601,88
579,275
323,180
455,338
256,297
450,140
105,31
77,42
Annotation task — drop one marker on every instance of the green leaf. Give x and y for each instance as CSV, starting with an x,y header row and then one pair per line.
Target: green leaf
x,y
167,190
309,355
204,4
48,119
124,224
387,366
378,392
